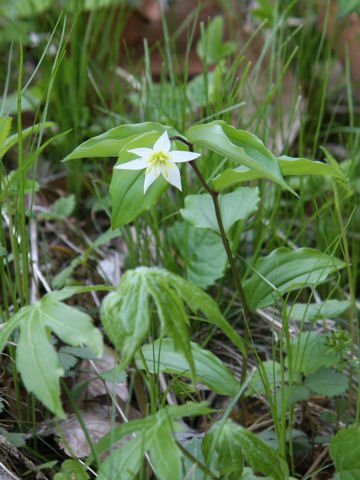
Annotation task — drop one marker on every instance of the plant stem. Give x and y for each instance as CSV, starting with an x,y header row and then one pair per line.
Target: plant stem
x,y
215,198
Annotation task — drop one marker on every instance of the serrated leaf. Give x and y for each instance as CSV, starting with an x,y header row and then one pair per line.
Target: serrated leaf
x,y
313,311
327,382
200,211
109,143
285,270
310,352
240,146
210,370
38,364
202,252
260,456
288,165
345,452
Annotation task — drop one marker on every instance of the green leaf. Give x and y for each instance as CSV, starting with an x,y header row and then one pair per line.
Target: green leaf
x,y
148,428
127,186
313,311
198,300
110,143
271,371
63,207
5,127
345,453
38,363
240,146
202,252
310,352
348,6
165,455
173,318
13,139
124,462
210,370
210,47
261,457
200,211
327,382
37,360
70,470
125,315
285,270
288,165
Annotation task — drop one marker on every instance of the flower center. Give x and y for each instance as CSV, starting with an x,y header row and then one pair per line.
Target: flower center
x,y
159,160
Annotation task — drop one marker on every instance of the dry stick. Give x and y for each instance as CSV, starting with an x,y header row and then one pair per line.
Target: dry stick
x,y
215,198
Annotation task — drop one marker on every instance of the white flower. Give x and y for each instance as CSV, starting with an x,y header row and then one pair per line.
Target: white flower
x,y
159,159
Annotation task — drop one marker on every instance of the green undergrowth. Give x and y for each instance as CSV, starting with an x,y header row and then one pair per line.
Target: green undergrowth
x,y
229,306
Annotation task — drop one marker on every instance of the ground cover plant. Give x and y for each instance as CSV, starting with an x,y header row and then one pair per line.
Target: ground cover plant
x,y
179,240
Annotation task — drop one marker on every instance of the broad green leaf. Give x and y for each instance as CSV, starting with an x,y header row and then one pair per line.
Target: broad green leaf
x,y
260,456
124,462
242,147
313,311
200,211
230,459
327,382
210,370
165,455
38,363
202,253
288,165
345,453
127,186
110,143
210,47
71,325
285,270
198,300
125,315
37,359
310,352
64,206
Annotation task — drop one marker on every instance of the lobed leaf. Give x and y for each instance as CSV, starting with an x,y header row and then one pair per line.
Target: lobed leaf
x,y
327,382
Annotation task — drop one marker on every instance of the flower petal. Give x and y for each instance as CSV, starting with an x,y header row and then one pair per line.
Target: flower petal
x,y
137,164
162,144
173,176
149,179
179,156
142,152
